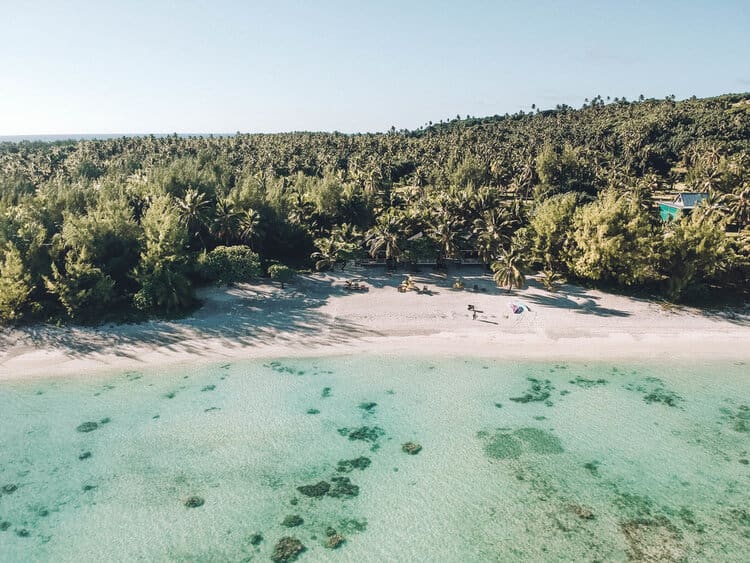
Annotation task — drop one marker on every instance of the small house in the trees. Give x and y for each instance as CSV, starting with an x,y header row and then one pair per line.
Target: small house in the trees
x,y
682,204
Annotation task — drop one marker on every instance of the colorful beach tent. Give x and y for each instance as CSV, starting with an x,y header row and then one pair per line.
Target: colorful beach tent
x,y
518,308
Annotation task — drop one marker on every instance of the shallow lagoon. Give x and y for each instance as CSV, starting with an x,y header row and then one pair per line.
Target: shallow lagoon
x,y
532,461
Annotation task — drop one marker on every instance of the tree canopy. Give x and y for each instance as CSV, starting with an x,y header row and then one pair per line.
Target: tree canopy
x,y
93,229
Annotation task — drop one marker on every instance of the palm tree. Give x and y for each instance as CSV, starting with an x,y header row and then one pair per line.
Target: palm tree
x,y
508,271
194,209
227,219
445,230
493,233
386,236
738,205
550,279
249,223
328,253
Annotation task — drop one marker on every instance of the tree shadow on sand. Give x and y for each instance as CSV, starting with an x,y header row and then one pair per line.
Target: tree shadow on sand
x,y
230,318
584,306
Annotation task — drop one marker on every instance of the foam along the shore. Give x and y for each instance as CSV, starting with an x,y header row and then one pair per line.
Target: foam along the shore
x,y
317,316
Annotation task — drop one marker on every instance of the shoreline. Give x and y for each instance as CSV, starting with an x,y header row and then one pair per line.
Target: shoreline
x,y
316,317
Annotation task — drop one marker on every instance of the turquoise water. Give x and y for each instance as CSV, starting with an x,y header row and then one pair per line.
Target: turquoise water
x,y
519,461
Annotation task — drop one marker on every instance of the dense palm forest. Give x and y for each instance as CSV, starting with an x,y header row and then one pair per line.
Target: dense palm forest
x,y
128,227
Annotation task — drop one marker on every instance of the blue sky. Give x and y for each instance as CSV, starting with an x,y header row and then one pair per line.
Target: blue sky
x,y
222,66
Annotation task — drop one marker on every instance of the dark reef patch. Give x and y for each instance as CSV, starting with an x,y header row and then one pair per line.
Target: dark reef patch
x,y
538,392
352,525
739,420
287,549
87,427
194,501
317,490
539,441
503,446
326,392
343,487
334,541
292,521
208,388
653,539
256,539
654,391
411,448
587,383
369,434
348,465
9,488
592,467
313,411
582,512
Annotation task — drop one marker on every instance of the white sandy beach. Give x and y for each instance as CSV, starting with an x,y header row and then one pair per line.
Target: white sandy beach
x,y
315,316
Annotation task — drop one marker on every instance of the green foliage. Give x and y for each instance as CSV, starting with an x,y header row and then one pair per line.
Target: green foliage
x,y
550,279
281,273
342,244
133,220
387,236
549,230
694,250
613,241
83,290
562,171
15,286
229,264
161,271
107,236
508,271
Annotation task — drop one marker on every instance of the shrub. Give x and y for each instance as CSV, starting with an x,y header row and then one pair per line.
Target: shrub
x,y
229,264
280,273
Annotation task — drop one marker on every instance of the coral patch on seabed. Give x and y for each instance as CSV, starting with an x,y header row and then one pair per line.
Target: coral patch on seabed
x,y
343,487
507,445
292,521
587,383
411,448
317,490
287,549
256,539
334,541
538,392
349,465
194,502
87,427
654,391
365,433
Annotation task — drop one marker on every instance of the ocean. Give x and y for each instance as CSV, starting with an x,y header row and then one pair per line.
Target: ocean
x,y
260,459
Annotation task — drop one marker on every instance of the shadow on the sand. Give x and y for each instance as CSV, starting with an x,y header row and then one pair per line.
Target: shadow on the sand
x,y
587,306
236,317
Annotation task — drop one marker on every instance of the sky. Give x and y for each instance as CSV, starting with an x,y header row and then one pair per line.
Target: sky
x,y
221,66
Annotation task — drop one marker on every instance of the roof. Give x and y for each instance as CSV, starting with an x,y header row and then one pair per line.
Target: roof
x,y
689,199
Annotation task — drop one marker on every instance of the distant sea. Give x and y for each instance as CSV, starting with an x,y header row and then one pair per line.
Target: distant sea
x,y
98,136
